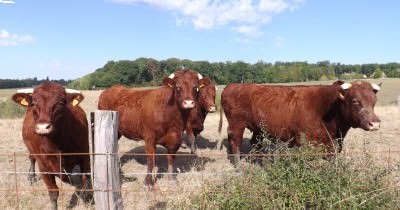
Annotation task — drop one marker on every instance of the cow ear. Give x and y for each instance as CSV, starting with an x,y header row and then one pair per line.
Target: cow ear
x,y
168,82
74,98
204,82
23,99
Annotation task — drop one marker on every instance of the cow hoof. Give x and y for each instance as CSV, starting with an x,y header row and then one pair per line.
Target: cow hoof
x,y
193,152
73,201
150,188
173,182
32,179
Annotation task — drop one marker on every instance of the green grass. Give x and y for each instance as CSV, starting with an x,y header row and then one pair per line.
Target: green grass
x,y
302,180
6,93
9,110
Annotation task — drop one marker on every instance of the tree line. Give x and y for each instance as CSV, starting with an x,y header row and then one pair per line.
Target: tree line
x,y
150,72
30,82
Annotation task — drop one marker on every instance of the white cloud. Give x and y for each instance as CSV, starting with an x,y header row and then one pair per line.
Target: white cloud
x,y
7,2
7,39
244,15
250,31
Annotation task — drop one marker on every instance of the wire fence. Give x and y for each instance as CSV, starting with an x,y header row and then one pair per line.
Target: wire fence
x,y
18,193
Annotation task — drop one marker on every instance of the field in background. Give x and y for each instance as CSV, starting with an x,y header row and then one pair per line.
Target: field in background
x,y
211,166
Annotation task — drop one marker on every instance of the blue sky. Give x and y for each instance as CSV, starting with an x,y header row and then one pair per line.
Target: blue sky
x,y
71,38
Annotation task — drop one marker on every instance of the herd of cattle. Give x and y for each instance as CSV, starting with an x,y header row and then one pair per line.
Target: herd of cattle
x,y
55,123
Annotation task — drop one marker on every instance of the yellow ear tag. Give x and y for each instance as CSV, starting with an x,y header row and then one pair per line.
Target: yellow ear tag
x,y
75,102
169,85
202,85
23,102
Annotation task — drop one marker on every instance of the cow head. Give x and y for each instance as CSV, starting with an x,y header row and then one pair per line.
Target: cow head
x,y
358,102
185,88
48,103
207,91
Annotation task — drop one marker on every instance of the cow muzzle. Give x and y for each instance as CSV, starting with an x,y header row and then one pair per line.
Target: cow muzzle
x,y
43,128
373,126
212,109
188,104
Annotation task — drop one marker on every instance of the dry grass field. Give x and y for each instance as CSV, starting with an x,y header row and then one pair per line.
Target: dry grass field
x,y
211,165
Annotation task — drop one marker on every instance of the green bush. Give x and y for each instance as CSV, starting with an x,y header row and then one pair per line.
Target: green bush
x,y
301,179
9,109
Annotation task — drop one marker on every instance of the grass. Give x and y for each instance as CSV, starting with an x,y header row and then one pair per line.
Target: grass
x,y
10,110
300,180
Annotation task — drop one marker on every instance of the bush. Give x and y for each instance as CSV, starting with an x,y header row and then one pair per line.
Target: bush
x,y
9,109
300,179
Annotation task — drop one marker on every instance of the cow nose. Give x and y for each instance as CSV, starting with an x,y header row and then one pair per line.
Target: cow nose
x,y
373,126
212,109
43,128
188,104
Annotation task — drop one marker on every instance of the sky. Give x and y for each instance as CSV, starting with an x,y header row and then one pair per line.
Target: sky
x,y
71,38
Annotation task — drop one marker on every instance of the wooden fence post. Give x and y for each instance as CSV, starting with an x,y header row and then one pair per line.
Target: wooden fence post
x,y
105,161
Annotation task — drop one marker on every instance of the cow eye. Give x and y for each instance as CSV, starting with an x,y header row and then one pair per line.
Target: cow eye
x,y
196,89
62,103
355,102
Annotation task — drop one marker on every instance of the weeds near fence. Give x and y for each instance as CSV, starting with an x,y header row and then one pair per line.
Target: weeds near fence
x,y
10,110
298,179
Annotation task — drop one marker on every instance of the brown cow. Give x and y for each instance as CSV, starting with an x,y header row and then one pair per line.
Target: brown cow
x,y
54,124
157,116
206,104
322,114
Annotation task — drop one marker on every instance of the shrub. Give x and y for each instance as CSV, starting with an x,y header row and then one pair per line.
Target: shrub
x,y
301,179
9,109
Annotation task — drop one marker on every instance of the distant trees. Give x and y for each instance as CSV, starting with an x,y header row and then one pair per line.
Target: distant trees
x,y
148,72
16,83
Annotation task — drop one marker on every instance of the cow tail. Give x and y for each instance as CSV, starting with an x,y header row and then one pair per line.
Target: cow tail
x,y
221,119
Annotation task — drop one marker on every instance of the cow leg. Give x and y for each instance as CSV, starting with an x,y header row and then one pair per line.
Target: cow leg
x,y
171,159
255,141
150,179
87,194
83,185
192,139
31,175
235,135
50,182
172,143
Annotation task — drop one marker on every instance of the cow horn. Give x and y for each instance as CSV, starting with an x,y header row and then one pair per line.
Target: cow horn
x,y
375,87
26,90
199,76
345,86
72,90
171,76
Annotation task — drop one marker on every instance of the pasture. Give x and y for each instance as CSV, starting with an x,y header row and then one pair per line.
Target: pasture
x,y
210,166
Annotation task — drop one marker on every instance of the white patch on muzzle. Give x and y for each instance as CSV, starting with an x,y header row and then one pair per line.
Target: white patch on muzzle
x,y
212,109
188,104
374,126
43,128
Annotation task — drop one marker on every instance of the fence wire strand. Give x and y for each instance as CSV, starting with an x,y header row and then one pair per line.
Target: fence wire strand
x,y
189,174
